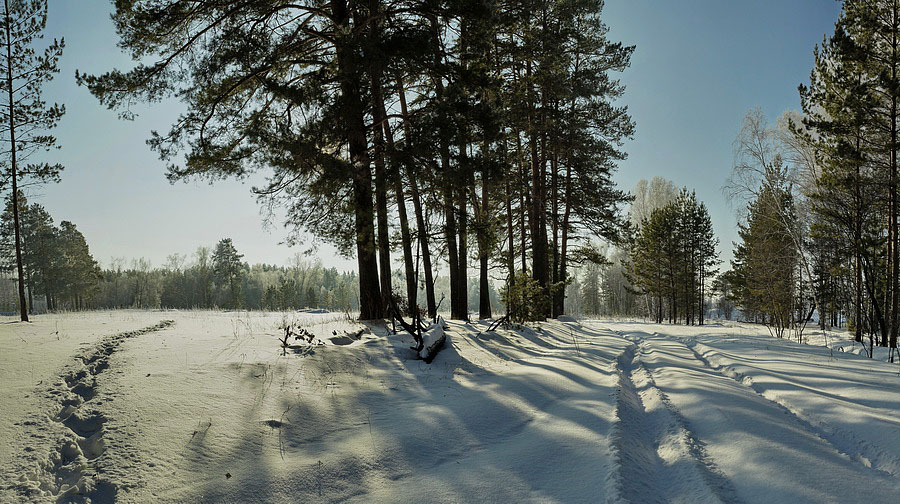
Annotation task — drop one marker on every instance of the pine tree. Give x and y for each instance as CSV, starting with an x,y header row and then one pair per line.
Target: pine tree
x,y
25,116
79,274
673,256
228,268
766,261
851,113
273,85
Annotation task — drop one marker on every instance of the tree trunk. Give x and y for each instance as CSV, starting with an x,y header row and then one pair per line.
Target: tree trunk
x,y
405,235
511,258
484,294
381,182
14,168
564,247
353,113
464,174
449,180
524,203
450,237
895,249
421,229
556,309
857,313
536,217
462,277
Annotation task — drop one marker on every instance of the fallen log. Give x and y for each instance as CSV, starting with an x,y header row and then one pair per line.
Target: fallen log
x,y
433,339
429,340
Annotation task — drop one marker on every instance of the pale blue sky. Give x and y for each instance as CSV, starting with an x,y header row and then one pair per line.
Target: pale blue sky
x,y
699,65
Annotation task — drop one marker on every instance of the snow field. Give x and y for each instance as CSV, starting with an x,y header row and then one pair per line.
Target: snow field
x,y
659,461
211,408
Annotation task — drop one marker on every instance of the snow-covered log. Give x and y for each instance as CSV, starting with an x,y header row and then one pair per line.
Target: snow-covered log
x,y
433,339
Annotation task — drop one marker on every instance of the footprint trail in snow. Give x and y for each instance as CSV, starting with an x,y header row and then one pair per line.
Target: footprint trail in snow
x,y
67,471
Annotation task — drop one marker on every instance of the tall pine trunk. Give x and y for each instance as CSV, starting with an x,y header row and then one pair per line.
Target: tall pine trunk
x,y
449,180
464,174
353,113
524,202
484,294
857,313
558,294
539,260
421,229
894,241
462,274
564,247
14,168
381,187
405,235
511,257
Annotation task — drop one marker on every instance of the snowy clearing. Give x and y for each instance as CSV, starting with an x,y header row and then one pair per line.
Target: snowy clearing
x,y
209,407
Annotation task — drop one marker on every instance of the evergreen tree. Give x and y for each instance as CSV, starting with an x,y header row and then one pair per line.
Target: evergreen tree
x,y
851,113
228,268
267,84
512,132
79,274
41,254
57,261
24,116
766,261
673,258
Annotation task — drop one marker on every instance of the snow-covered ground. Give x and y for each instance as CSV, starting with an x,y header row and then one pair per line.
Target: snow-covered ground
x,y
208,407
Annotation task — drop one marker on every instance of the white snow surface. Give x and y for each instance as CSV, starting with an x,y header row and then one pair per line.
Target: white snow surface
x,y
125,406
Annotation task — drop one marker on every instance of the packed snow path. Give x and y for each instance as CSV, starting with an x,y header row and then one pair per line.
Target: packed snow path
x,y
212,409
745,447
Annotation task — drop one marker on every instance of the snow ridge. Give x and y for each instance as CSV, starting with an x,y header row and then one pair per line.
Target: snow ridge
x,y
844,442
659,459
67,473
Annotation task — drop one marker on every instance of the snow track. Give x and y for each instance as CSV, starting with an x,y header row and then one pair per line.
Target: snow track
x,y
745,446
660,460
845,442
68,473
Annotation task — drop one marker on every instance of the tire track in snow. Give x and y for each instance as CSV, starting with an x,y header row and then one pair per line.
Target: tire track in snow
x,y
67,473
844,442
659,459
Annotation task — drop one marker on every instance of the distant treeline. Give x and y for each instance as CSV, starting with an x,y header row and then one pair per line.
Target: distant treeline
x,y
206,282
60,269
